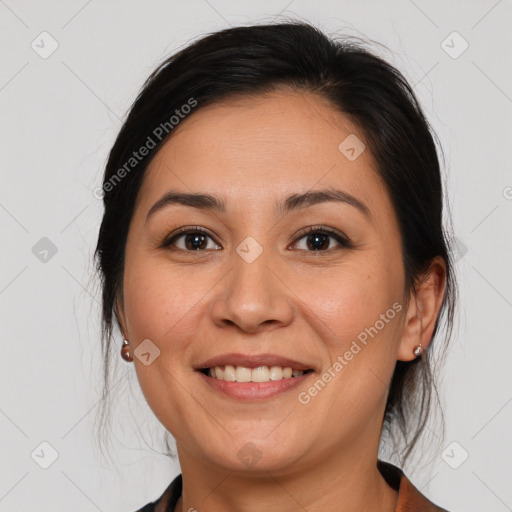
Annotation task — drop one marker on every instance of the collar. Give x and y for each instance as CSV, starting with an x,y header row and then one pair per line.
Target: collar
x,y
410,499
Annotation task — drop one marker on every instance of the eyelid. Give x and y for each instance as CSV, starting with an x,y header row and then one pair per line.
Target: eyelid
x,y
340,237
319,228
168,240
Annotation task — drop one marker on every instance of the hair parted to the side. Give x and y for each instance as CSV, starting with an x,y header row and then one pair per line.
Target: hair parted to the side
x,y
372,94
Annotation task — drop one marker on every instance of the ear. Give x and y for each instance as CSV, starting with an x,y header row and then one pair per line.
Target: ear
x,y
423,310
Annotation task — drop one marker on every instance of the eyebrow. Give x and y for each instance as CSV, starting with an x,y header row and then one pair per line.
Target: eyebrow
x,y
293,202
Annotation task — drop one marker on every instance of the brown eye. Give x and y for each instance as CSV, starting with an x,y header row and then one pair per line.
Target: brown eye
x,y
193,240
320,239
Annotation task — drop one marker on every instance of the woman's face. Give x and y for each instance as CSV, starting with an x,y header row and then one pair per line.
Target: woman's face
x,y
253,283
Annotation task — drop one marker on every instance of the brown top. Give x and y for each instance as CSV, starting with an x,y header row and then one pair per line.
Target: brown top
x,y
409,498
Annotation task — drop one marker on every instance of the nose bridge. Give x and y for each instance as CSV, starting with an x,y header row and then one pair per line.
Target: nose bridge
x,y
252,294
251,263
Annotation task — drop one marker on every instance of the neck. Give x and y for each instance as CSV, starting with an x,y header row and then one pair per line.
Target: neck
x,y
344,480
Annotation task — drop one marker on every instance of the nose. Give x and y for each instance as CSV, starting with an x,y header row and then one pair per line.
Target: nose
x,y
253,296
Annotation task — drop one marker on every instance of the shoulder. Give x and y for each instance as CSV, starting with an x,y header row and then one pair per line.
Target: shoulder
x,y
150,507
167,501
410,499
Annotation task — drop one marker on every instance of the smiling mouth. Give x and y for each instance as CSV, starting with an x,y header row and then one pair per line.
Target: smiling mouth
x,y
231,373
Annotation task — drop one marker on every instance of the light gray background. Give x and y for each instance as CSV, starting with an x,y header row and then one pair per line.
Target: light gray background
x,y
59,117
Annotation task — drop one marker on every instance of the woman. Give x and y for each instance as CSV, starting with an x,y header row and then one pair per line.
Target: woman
x,y
273,253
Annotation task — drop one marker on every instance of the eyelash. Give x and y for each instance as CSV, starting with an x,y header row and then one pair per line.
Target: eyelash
x,y
322,230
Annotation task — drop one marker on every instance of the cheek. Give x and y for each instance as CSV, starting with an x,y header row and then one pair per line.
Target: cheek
x,y
161,306
358,310
348,300
159,300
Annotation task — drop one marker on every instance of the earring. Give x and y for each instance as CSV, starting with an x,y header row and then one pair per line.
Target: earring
x,y
125,351
418,350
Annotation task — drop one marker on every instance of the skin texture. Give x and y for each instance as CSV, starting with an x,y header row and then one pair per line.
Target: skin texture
x,y
293,301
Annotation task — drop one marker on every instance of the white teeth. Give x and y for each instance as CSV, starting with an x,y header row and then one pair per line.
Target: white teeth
x,y
259,374
243,374
276,373
229,373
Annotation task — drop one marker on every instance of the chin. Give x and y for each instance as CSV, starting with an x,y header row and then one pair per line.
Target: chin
x,y
255,455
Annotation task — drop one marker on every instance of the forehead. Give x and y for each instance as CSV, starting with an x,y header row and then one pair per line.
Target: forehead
x,y
261,147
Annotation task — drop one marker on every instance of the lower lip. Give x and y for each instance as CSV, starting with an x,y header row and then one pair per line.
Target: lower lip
x,y
253,390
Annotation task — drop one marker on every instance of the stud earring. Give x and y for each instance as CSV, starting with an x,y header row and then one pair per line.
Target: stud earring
x,y
418,350
125,351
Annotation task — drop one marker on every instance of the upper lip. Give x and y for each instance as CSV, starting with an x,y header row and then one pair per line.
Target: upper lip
x,y
252,361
